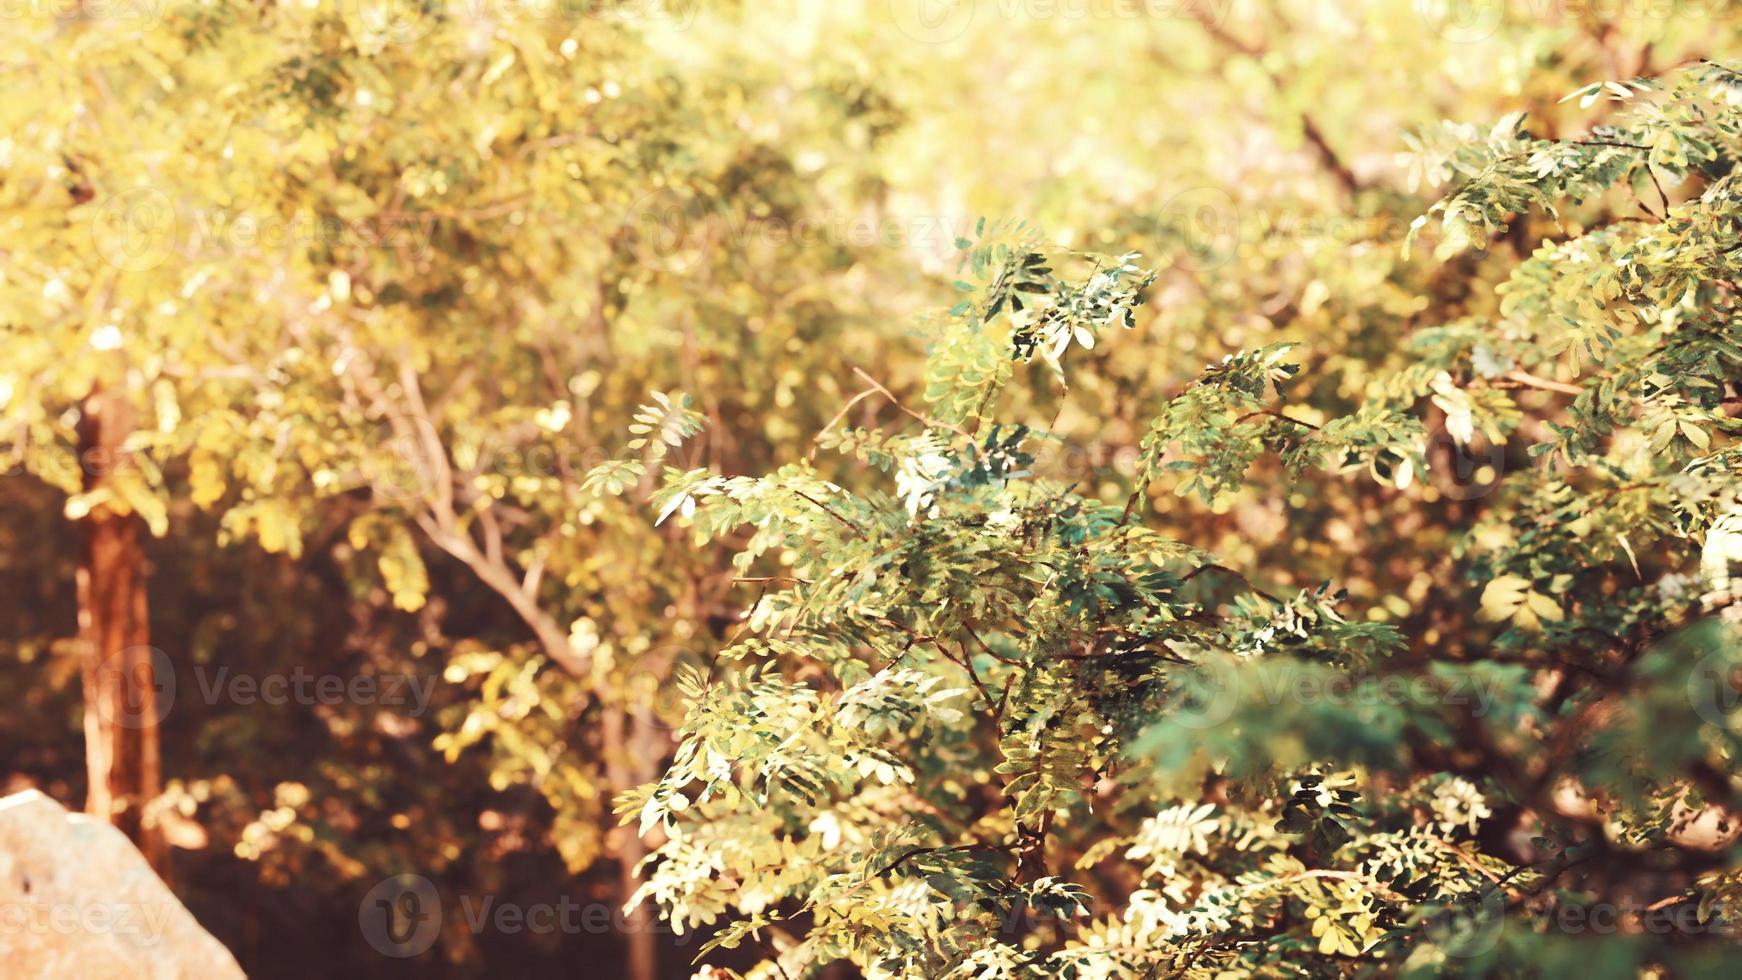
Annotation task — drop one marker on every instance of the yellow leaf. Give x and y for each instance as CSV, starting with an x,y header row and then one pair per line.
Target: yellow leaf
x,y
1696,435
205,480
1503,596
1543,607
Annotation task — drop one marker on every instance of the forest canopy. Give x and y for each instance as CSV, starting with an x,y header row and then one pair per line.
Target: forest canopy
x,y
973,490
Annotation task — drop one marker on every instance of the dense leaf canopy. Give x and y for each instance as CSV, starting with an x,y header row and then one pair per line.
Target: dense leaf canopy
x,y
1297,533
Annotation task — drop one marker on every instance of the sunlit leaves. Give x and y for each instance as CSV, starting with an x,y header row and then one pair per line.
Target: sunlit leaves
x,y
1517,598
970,624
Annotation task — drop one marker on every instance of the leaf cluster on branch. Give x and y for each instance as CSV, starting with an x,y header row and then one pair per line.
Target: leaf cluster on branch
x,y
982,722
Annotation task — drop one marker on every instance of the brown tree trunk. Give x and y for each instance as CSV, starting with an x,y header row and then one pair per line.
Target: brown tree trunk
x,y
122,704
628,740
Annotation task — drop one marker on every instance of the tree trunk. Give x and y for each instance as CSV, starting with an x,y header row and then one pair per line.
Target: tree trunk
x,y
122,705
627,741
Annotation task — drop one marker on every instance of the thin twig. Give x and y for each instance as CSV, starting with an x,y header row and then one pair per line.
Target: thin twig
x,y
817,442
928,420
1276,414
832,513
1534,381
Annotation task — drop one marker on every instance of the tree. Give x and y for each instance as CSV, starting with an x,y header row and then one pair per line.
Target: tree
x,y
984,722
368,276
543,211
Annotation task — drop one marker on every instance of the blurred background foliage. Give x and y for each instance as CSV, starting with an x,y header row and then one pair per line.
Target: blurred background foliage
x,y
383,279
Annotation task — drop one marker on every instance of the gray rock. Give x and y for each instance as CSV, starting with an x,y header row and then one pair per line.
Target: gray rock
x,y
78,900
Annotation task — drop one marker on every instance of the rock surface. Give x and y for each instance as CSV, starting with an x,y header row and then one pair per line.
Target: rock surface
x,y
77,899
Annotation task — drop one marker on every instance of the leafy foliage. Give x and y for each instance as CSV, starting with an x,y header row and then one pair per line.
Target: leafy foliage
x,y
981,723
1431,559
